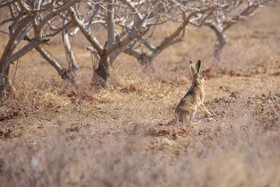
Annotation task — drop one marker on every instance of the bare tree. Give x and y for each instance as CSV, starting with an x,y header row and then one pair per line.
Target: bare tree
x,y
124,23
218,15
36,16
225,19
130,26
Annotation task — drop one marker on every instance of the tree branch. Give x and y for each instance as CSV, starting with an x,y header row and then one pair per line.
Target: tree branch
x,y
51,15
110,23
69,52
94,42
31,45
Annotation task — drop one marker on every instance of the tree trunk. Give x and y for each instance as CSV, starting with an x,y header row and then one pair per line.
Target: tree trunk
x,y
72,64
10,89
220,41
104,68
2,86
145,61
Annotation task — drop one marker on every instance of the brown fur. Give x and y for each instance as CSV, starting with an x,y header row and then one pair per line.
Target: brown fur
x,y
186,109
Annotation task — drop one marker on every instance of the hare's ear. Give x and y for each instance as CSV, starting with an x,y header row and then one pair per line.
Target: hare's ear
x,y
192,68
198,65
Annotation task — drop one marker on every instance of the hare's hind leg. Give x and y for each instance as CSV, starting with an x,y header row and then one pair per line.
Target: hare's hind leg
x,y
188,118
178,117
181,117
205,111
185,118
192,117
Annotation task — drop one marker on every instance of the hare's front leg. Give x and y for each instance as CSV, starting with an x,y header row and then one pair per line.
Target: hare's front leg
x,y
205,111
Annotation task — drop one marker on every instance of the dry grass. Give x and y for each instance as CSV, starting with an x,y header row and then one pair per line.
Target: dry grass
x,y
235,149
55,134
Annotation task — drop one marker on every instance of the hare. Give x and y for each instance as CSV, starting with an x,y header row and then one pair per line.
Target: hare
x,y
194,98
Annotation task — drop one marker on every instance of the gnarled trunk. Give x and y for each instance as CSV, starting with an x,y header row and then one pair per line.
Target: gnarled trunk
x,y
104,68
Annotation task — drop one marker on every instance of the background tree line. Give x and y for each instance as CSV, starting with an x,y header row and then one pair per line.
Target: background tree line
x,y
130,26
